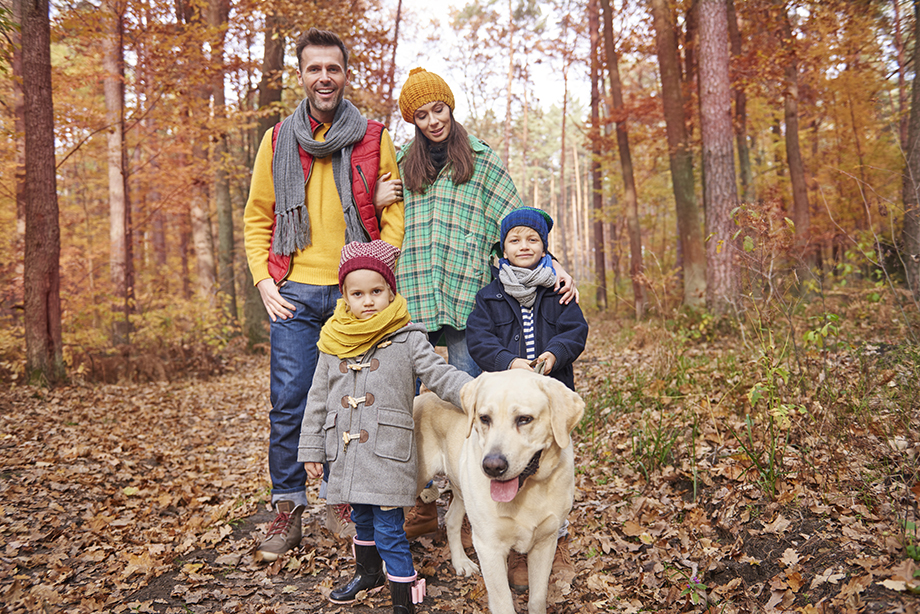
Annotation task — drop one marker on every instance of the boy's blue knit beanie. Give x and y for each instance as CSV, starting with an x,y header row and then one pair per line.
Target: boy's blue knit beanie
x,y
530,217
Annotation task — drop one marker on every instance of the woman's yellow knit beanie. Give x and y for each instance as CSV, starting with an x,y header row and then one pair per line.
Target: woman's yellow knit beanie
x,y
421,88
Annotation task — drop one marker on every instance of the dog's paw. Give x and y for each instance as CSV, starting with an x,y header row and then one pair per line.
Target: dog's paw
x,y
465,567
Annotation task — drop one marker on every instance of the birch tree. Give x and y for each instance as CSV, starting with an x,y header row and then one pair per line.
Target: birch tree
x,y
121,261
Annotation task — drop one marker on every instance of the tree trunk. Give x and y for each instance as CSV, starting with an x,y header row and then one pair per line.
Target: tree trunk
x,y
720,193
801,216
630,196
42,297
255,319
272,74
19,130
506,149
597,197
121,260
525,135
391,72
911,187
748,194
902,77
681,158
199,194
218,14
563,203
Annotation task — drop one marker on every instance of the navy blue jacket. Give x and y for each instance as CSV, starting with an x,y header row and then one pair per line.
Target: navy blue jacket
x,y
495,331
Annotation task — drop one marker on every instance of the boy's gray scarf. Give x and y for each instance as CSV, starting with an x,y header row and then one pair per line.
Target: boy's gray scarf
x,y
292,231
522,283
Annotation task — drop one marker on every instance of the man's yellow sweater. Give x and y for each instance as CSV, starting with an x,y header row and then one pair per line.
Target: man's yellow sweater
x,y
317,264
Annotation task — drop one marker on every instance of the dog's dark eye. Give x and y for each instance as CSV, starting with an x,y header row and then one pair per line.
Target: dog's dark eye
x,y
522,420
485,420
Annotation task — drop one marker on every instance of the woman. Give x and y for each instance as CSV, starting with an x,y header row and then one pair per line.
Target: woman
x,y
457,190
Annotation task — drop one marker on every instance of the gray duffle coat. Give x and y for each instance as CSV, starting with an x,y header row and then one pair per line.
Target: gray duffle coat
x,y
370,398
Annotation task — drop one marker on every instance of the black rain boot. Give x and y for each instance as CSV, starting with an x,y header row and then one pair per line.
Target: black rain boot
x,y
406,594
368,574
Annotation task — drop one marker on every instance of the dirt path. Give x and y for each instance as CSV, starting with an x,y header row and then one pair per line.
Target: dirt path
x,y
150,498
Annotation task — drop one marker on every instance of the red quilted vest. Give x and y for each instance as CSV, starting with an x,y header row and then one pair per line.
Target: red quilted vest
x,y
365,166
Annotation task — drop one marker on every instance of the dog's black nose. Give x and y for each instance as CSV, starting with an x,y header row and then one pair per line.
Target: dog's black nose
x,y
494,465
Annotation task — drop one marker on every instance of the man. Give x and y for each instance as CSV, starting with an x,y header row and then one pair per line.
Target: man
x,y
312,192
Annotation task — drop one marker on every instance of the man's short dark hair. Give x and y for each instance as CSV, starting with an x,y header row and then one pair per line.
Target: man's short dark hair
x,y
315,37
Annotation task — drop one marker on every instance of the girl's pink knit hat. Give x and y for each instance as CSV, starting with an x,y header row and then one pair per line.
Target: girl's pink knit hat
x,y
377,256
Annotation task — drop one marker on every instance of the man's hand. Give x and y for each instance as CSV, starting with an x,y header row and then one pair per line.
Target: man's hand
x,y
314,470
565,285
274,303
387,192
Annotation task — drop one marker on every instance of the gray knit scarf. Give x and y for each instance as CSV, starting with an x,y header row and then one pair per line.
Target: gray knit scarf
x,y
292,231
522,283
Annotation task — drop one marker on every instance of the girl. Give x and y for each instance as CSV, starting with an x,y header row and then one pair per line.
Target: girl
x,y
358,417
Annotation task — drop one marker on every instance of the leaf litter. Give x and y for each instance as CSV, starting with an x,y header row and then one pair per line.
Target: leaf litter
x,y
152,498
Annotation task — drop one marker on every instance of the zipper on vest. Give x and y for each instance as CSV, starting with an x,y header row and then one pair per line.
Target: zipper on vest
x,y
363,178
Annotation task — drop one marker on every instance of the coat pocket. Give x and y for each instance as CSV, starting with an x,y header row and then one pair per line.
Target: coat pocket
x,y
331,437
395,432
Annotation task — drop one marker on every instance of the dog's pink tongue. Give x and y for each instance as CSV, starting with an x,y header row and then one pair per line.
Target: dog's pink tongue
x,y
503,492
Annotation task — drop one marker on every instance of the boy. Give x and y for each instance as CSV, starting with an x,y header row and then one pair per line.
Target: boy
x,y
518,322
358,417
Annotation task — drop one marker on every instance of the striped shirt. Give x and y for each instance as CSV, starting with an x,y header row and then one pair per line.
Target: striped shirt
x,y
529,337
449,232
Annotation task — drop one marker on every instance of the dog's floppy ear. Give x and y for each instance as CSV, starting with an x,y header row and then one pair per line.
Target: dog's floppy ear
x,y
468,399
567,409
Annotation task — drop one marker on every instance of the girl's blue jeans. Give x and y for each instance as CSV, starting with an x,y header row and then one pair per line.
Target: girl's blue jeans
x,y
385,528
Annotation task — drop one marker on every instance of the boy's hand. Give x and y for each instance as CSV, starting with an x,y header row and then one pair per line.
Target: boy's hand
x,y
314,470
521,363
565,285
548,360
387,192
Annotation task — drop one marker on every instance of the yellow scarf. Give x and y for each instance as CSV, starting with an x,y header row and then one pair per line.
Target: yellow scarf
x,y
346,336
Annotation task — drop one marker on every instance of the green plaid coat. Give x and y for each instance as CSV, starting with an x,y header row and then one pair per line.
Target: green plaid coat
x,y
450,230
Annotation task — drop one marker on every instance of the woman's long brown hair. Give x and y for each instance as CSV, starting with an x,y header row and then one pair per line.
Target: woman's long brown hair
x,y
419,171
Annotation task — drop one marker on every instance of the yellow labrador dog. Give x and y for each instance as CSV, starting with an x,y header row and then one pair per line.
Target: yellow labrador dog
x,y
511,466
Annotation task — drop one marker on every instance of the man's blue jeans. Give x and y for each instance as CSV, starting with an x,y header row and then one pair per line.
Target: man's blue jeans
x,y
293,360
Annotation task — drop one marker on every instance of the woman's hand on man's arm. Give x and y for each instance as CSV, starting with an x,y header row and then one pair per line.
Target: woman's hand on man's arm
x,y
565,285
387,192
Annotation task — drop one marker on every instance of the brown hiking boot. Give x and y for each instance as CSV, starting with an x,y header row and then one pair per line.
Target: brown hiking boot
x,y
517,571
283,534
563,568
421,519
466,533
338,521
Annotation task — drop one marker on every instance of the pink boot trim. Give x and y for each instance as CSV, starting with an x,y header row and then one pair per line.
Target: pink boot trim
x,y
418,590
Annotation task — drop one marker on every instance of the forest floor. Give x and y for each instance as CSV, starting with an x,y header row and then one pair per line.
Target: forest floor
x,y
151,498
